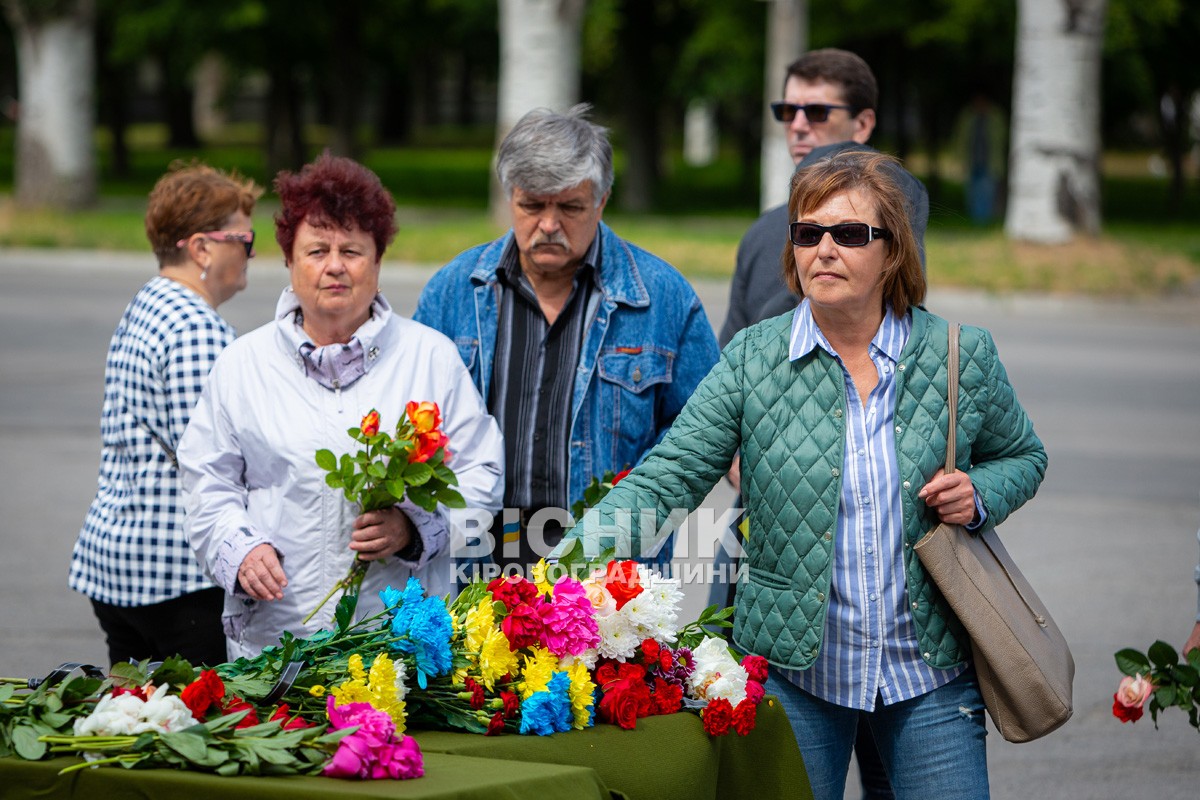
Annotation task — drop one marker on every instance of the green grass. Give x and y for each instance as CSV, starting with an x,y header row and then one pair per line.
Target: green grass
x,y
441,188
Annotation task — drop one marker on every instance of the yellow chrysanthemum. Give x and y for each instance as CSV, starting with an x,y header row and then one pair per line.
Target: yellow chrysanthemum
x,y
539,578
481,620
539,669
352,691
355,666
317,690
581,694
496,658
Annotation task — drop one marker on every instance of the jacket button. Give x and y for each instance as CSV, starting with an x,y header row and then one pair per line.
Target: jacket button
x,y
813,652
828,535
914,606
898,429
837,412
836,472
900,368
637,374
907,485
926,655
821,597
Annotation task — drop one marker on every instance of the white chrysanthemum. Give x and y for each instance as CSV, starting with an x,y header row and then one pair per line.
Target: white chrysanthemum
x,y
401,689
717,673
617,638
588,658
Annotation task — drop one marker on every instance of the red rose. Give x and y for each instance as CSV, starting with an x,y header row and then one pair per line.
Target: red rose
x,y
744,717
511,704
617,478
668,697
717,716
287,721
370,423
523,627
625,699
236,704
623,582
136,691
756,668
606,673
1126,713
425,416
512,590
202,694
650,651
495,724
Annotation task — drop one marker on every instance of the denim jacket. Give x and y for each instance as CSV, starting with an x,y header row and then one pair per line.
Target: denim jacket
x,y
643,354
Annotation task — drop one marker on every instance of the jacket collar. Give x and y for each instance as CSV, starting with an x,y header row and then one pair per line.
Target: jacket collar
x,y
619,278
370,334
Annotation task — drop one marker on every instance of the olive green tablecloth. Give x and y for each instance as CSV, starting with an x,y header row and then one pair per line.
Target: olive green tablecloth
x,y
663,759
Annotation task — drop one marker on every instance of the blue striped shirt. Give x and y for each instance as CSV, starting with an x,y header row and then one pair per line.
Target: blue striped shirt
x,y
870,647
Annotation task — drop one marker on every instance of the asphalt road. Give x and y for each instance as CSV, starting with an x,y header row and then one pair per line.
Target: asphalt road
x,y
1109,542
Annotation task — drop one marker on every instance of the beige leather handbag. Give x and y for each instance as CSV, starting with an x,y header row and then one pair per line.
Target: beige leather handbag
x,y
1023,662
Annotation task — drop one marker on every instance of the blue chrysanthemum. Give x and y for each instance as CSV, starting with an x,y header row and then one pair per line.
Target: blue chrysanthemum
x,y
422,625
548,712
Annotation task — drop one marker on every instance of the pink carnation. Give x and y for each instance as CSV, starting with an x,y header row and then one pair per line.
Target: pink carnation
x,y
569,622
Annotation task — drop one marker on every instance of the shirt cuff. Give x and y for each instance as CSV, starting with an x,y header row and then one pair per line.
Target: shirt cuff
x,y
433,534
981,516
230,555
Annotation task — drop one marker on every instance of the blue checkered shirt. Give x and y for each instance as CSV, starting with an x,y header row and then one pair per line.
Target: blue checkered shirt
x,y
132,550
870,644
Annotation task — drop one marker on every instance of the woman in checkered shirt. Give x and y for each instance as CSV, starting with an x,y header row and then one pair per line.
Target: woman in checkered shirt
x,y
132,558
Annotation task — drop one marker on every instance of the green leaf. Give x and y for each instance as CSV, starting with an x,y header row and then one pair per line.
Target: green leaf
x,y
1184,676
417,474
334,480
422,497
1163,654
1165,695
344,614
377,470
229,769
58,720
1132,662
326,460
25,742
6,691
450,498
396,486
127,674
188,743
175,671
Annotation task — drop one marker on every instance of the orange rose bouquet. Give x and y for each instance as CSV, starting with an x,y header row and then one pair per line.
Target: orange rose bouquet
x,y
409,464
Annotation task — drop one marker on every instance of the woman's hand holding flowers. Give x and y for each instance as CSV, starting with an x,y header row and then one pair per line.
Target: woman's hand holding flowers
x,y
951,496
381,534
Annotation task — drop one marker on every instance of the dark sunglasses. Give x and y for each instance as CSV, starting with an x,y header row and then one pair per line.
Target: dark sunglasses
x,y
815,112
847,234
246,238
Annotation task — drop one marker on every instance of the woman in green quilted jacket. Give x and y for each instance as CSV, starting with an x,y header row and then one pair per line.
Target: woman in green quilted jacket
x,y
838,410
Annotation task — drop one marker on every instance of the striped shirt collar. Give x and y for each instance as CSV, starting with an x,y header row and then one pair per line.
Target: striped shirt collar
x,y
806,335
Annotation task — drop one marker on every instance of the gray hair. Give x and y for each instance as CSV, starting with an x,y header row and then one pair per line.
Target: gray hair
x,y
547,153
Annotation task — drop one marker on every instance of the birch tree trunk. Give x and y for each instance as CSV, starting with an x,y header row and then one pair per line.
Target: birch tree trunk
x,y
55,152
787,39
1054,161
539,67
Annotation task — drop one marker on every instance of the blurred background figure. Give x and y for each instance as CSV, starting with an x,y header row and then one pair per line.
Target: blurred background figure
x,y
982,136
1193,641
132,558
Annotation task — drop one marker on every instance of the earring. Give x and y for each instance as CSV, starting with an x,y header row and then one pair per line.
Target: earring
x,y
204,274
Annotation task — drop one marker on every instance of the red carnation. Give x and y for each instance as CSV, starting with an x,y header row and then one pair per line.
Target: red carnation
x,y
495,724
511,704
744,717
650,651
287,720
512,590
203,693
623,582
755,692
717,716
668,697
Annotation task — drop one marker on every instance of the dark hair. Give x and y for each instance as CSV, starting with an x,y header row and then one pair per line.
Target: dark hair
x,y
843,68
334,191
873,174
193,198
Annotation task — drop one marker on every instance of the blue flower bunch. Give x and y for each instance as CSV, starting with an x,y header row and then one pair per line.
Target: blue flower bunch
x,y
422,627
549,711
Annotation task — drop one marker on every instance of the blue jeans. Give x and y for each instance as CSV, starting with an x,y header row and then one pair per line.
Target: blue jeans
x,y
931,746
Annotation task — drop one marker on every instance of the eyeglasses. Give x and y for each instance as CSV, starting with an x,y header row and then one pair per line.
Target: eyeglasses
x,y
815,112
847,234
246,238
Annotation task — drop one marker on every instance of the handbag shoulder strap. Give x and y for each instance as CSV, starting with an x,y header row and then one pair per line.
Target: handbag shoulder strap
x,y
952,398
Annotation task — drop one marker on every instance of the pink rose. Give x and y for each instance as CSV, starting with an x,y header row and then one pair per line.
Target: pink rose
x,y
1131,695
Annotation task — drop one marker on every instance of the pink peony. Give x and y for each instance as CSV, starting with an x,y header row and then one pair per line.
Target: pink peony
x,y
568,623
399,761
369,719
371,751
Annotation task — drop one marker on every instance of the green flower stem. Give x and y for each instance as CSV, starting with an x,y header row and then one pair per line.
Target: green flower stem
x,y
124,759
17,681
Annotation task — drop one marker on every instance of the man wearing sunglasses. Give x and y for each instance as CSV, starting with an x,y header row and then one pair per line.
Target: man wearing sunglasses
x,y
828,106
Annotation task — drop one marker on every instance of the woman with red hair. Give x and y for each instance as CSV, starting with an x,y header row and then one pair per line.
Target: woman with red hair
x,y
262,520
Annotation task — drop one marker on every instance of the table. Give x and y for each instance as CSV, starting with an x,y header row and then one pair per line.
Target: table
x,y
665,758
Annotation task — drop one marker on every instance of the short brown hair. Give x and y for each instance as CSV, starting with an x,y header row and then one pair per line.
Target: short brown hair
x,y
873,174
843,68
193,198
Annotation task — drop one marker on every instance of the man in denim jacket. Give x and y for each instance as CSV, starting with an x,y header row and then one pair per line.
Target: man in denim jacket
x,y
584,346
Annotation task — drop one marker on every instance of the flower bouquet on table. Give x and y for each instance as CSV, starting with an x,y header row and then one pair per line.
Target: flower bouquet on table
x,y
170,715
409,464
1160,679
